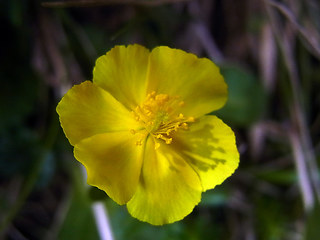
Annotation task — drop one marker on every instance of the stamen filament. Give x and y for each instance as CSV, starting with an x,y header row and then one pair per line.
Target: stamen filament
x,y
157,115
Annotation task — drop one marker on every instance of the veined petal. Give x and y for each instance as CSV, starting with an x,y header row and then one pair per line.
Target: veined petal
x,y
122,72
113,162
87,109
168,190
210,148
196,80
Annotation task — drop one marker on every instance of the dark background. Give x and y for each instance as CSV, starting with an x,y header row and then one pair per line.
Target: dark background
x,y
268,52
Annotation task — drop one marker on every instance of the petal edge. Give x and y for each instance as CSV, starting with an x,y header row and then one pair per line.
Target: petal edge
x,y
86,110
113,162
169,188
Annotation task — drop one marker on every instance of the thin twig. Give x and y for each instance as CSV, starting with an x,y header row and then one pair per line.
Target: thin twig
x,y
95,3
59,215
268,58
304,181
304,156
309,38
31,179
102,221
201,31
100,213
207,42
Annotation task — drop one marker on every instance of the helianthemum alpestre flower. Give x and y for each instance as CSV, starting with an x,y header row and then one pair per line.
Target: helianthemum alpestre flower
x,y
141,131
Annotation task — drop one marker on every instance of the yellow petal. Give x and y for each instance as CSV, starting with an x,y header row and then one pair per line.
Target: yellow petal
x,y
113,162
122,72
209,146
87,110
196,80
169,188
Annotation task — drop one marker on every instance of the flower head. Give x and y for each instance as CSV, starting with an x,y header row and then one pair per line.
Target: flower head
x,y
141,130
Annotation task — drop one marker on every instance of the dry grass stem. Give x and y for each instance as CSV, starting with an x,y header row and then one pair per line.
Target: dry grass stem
x,y
304,157
95,3
313,40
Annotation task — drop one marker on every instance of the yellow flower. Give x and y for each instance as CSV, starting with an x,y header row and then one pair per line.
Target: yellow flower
x,y
141,131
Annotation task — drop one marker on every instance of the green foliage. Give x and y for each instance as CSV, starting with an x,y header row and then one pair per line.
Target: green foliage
x,y
195,226
215,198
16,158
270,219
79,222
312,230
281,177
247,99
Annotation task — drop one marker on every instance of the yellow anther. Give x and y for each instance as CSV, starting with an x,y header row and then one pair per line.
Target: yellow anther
x,y
133,131
191,119
158,115
162,97
181,116
184,126
156,145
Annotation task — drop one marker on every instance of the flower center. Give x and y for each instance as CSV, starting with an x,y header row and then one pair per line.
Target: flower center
x,y
160,118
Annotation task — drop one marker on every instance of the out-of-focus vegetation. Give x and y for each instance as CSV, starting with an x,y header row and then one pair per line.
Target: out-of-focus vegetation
x,y
269,53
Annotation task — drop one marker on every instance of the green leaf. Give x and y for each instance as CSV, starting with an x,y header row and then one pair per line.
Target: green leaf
x,y
213,198
247,99
286,177
125,226
312,230
79,222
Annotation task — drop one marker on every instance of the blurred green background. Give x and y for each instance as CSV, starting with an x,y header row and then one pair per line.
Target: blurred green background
x,y
268,52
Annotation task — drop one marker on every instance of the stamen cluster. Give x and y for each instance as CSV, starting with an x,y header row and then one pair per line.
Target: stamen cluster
x,y
158,115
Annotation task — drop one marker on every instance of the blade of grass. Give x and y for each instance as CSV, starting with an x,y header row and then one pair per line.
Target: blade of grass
x,y
305,159
32,177
312,39
102,221
100,214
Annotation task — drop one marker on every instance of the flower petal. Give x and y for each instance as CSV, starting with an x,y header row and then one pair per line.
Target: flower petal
x,y
210,148
113,162
122,72
196,80
169,188
87,110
